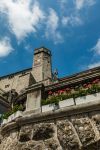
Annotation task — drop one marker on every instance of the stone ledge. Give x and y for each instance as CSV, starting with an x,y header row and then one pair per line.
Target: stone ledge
x,y
34,87
64,112
8,127
40,117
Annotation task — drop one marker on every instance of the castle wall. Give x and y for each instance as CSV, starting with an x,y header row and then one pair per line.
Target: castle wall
x,y
18,81
40,71
66,129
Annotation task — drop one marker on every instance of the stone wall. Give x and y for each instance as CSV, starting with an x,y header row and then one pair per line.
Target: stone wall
x,y
77,128
18,81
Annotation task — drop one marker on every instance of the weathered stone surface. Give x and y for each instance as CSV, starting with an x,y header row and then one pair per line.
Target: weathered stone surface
x,y
52,144
31,145
43,131
96,119
84,129
66,135
79,132
9,143
25,133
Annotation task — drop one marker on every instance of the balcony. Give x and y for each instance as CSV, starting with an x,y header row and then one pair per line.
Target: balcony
x,y
77,95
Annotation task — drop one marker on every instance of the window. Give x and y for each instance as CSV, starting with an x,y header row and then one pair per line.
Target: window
x,y
11,76
6,86
23,73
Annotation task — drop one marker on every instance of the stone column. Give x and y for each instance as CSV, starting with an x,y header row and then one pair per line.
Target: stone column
x,y
34,96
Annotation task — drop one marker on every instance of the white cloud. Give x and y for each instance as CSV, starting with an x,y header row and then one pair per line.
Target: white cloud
x,y
52,25
5,47
94,65
82,3
23,16
72,20
79,4
65,20
63,4
96,48
26,16
73,16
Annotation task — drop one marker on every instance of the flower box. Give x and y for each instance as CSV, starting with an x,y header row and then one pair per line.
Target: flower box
x,y
87,99
71,102
67,102
50,107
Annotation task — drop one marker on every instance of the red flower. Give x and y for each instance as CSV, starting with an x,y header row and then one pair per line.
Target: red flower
x,y
89,85
50,92
85,85
96,81
60,91
68,89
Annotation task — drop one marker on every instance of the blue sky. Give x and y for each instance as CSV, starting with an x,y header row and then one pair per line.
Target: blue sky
x,y
69,28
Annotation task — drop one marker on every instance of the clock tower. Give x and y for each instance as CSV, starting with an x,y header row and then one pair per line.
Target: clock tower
x,y
42,68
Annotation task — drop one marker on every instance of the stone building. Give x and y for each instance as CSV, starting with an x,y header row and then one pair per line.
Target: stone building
x,y
41,71
57,113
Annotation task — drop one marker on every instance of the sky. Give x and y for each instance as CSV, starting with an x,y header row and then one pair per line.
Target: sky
x,y
69,28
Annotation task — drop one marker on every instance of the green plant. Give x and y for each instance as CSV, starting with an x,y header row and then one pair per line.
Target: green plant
x,y
82,92
15,109
54,99
75,95
6,115
95,88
